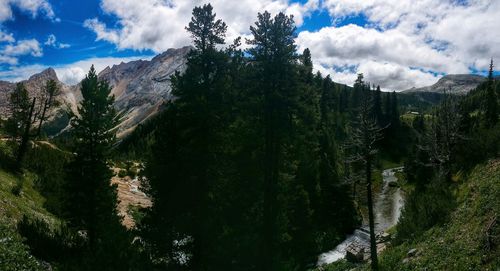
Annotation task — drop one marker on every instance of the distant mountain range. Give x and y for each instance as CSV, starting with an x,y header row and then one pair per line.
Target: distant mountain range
x,y
140,88
454,83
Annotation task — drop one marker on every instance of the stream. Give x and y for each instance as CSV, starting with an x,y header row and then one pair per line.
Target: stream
x,y
387,208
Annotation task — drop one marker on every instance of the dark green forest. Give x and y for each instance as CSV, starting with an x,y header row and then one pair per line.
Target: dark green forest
x,y
258,163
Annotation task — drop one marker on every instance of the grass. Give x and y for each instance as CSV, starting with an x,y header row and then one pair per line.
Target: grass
x,y
387,164
18,197
29,202
14,255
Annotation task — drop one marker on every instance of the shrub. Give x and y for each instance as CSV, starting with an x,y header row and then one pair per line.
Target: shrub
x,y
122,173
18,188
14,255
423,209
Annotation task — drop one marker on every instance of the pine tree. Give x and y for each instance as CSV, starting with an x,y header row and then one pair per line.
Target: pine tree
x,y
19,106
394,112
377,107
90,203
193,132
274,53
491,102
25,113
336,213
362,147
357,93
22,109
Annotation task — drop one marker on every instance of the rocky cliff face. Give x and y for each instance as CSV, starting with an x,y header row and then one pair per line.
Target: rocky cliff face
x,y
454,83
140,88
35,85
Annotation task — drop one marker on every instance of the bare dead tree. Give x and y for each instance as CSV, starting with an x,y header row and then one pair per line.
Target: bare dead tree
x,y
365,133
443,136
26,114
50,92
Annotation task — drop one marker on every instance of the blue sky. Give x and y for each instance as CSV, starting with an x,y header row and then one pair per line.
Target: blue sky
x,y
396,43
68,29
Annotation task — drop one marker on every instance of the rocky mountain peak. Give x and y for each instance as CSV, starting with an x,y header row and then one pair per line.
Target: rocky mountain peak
x,y
140,87
45,75
172,52
455,83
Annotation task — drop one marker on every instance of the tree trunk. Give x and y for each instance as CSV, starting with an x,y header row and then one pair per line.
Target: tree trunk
x,y
373,243
42,117
25,138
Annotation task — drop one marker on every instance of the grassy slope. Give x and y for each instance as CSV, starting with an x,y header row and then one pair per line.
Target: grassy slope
x,y
14,254
460,244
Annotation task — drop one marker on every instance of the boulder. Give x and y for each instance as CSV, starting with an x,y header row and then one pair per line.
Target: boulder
x,y
355,253
383,237
412,252
393,184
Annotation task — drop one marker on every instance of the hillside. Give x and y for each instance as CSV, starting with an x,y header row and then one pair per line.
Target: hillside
x,y
14,255
470,240
454,83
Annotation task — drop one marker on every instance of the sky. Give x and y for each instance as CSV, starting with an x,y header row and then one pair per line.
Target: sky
x,y
397,44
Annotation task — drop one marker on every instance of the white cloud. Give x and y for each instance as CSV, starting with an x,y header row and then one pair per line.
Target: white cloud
x,y
63,45
10,50
33,7
6,37
70,74
8,60
23,47
405,43
159,24
52,42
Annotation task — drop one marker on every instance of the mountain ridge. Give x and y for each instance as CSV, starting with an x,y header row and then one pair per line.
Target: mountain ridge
x,y
454,83
140,88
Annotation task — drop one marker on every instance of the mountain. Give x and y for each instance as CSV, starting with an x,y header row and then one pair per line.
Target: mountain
x,y
457,84
140,88
35,84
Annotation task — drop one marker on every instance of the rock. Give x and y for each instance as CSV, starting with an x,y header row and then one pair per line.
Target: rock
x,y
406,260
393,184
355,253
456,83
383,237
412,252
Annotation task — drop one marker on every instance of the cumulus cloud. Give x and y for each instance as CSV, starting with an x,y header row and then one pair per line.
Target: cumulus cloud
x,y
33,7
23,47
52,42
6,37
159,24
10,50
406,43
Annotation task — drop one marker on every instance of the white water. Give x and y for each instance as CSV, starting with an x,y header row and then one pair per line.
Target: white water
x,y
387,208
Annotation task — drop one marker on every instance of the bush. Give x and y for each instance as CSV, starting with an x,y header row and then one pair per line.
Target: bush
x,y
49,164
14,255
122,173
47,243
18,188
423,209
